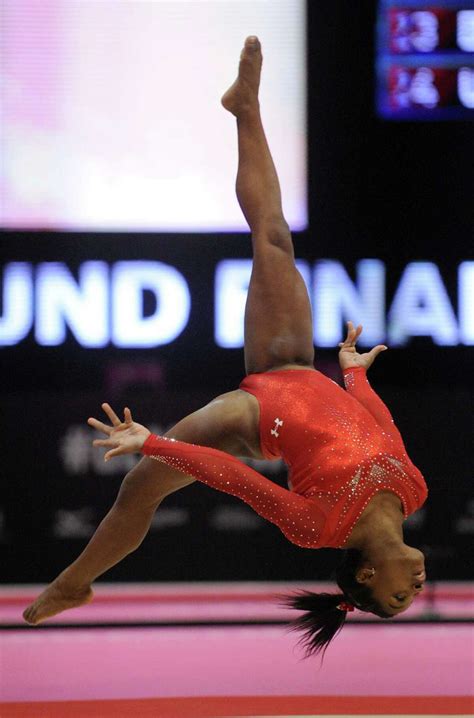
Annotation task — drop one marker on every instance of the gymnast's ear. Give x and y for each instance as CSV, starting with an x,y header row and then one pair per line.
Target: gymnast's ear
x,y
364,574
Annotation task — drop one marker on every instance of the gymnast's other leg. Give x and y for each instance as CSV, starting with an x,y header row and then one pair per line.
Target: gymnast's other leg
x,y
278,322
221,425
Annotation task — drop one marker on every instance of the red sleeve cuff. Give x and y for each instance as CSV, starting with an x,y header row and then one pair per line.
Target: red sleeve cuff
x,y
150,445
353,368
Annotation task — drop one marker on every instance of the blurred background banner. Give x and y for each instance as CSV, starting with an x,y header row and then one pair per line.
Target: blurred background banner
x,y
115,106
125,259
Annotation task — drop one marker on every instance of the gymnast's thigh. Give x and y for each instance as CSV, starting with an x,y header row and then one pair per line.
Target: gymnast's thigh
x,y
228,423
278,320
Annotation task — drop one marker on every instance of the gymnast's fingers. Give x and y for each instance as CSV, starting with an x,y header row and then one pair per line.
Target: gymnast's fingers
x,y
351,333
349,340
104,442
99,425
113,452
111,414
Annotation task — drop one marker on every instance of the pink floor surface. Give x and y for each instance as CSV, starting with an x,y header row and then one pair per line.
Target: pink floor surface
x,y
140,663
86,663
125,603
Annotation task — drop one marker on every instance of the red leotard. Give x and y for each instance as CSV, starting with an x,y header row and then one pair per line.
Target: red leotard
x,y
341,448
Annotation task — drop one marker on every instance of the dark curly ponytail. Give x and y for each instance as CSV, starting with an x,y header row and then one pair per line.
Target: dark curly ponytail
x,y
321,621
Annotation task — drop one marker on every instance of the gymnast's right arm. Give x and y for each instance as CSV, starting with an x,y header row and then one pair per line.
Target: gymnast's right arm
x,y
357,384
354,368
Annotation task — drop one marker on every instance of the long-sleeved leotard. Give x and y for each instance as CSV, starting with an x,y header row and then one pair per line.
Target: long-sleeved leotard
x,y
357,384
341,448
298,517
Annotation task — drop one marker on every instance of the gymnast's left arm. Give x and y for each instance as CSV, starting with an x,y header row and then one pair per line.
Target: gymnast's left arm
x,y
298,518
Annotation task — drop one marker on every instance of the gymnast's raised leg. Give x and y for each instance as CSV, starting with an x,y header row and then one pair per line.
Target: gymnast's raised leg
x,y
278,332
278,323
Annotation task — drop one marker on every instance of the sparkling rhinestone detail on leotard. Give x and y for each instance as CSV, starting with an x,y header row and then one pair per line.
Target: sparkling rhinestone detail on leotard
x,y
342,447
298,517
341,450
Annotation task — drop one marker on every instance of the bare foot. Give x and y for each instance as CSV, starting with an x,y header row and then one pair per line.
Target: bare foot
x,y
57,597
243,94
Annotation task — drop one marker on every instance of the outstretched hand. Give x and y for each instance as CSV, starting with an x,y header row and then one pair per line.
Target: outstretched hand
x,y
125,437
348,355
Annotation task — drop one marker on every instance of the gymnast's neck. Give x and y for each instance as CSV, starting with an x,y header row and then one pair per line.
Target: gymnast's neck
x,y
379,529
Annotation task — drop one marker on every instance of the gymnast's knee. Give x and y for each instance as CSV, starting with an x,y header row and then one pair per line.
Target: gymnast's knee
x,y
141,487
273,232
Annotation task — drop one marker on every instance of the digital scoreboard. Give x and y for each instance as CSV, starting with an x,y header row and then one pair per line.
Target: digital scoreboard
x,y
425,60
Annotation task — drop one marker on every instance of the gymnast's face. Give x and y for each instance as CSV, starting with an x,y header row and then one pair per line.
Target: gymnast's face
x,y
396,582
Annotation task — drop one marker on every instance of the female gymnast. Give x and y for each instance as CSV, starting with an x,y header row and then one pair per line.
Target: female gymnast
x,y
351,482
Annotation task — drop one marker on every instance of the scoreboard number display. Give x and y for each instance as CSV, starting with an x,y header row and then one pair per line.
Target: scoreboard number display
x,y
425,60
